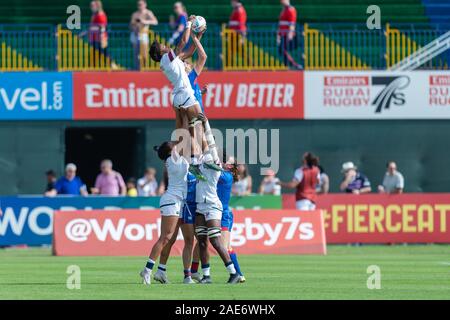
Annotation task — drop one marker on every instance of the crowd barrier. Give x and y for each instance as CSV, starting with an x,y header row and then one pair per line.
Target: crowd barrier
x,y
374,218
371,218
29,219
132,233
319,95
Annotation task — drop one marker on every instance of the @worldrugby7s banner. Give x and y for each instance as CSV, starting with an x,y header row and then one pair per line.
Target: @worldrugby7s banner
x,y
377,95
147,95
132,233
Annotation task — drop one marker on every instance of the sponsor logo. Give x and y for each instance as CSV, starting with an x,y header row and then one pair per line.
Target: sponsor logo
x,y
439,91
357,91
45,95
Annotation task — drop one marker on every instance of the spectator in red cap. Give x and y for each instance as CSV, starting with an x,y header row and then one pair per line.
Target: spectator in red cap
x,y
238,18
287,37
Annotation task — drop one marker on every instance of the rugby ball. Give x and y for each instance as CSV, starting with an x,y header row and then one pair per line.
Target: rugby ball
x,y
199,24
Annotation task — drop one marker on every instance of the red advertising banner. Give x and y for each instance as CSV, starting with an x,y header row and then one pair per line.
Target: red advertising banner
x,y
147,95
378,218
133,232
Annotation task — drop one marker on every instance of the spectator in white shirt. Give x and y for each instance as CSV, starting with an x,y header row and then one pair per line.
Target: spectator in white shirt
x,y
324,182
393,181
147,185
270,184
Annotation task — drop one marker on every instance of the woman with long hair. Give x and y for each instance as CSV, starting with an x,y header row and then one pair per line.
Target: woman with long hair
x,y
304,182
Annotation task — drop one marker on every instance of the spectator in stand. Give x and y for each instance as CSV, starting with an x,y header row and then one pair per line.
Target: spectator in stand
x,y
131,188
98,37
287,36
270,184
139,25
69,184
51,180
147,185
305,181
238,18
324,182
242,187
354,181
393,181
109,182
178,24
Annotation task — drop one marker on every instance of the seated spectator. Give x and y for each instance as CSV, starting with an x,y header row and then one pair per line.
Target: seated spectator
x,y
270,184
393,181
51,180
324,182
147,186
243,186
69,184
131,188
179,23
109,182
354,181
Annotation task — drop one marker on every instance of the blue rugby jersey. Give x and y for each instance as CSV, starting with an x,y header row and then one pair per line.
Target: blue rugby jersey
x,y
196,87
224,189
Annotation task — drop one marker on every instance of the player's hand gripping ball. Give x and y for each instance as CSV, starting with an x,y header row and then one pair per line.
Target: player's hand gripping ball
x,y
199,24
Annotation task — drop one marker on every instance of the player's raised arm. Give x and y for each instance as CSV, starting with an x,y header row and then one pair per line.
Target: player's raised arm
x,y
185,38
201,61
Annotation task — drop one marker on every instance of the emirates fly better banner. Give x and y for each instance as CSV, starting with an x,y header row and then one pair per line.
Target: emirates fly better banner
x,y
147,95
377,95
133,232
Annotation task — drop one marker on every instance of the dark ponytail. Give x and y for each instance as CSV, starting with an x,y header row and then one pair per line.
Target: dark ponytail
x,y
311,160
234,170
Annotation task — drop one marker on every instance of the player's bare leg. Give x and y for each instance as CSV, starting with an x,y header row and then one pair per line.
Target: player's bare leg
x,y
195,261
168,227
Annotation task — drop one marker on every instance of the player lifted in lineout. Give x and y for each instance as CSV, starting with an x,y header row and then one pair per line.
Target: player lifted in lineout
x,y
186,106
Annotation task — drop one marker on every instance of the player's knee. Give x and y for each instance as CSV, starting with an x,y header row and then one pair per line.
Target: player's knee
x,y
165,239
201,232
214,236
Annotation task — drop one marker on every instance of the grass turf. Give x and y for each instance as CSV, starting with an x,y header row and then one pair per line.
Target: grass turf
x,y
407,272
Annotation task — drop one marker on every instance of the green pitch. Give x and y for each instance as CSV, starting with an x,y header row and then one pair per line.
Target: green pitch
x,y
407,272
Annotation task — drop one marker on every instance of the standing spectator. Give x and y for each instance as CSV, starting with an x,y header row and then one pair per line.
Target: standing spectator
x,y
393,181
178,24
243,186
98,37
109,182
131,188
69,184
139,25
147,185
51,180
287,36
270,184
324,182
305,181
238,18
354,181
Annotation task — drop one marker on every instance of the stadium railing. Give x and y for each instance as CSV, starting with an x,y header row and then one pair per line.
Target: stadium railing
x,y
40,47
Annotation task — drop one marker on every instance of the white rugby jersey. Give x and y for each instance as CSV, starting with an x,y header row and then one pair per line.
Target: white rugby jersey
x,y
177,170
174,70
206,191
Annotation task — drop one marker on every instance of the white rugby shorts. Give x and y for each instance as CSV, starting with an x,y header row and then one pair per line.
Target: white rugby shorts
x,y
211,211
170,205
184,99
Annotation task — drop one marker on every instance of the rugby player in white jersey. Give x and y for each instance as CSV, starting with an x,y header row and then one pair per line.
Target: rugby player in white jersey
x,y
171,202
185,103
208,221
